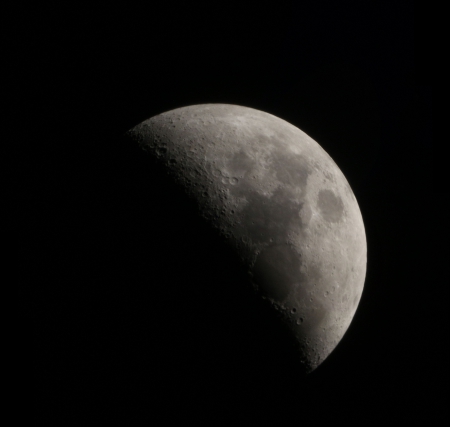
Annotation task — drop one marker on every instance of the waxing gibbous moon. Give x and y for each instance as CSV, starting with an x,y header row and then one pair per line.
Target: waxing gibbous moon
x,y
281,203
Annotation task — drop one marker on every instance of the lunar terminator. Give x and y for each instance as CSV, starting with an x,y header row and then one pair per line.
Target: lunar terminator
x,y
283,205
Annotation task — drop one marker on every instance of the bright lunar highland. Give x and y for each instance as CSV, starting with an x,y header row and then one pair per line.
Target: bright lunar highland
x,y
280,202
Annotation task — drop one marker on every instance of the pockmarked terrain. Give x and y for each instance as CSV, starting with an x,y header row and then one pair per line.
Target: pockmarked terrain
x,y
283,206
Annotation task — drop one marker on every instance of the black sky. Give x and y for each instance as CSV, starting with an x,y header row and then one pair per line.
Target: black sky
x,y
345,73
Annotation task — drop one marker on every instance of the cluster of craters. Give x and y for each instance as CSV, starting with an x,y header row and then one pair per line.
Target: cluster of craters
x,y
281,201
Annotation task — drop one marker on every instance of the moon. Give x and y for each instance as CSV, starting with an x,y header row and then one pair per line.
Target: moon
x,y
280,202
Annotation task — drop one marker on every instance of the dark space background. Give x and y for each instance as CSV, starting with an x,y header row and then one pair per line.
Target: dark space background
x,y
116,268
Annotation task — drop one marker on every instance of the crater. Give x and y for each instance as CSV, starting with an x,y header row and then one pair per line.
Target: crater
x,y
330,205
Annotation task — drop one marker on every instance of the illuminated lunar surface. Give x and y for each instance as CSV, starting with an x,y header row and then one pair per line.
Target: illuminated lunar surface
x,y
281,203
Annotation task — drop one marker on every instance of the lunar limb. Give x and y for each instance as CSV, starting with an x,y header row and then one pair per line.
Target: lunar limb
x,y
281,202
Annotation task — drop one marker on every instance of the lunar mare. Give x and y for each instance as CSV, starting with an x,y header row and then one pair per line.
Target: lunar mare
x,y
281,202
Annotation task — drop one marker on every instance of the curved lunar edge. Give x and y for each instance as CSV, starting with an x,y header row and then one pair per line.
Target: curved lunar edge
x,y
280,202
